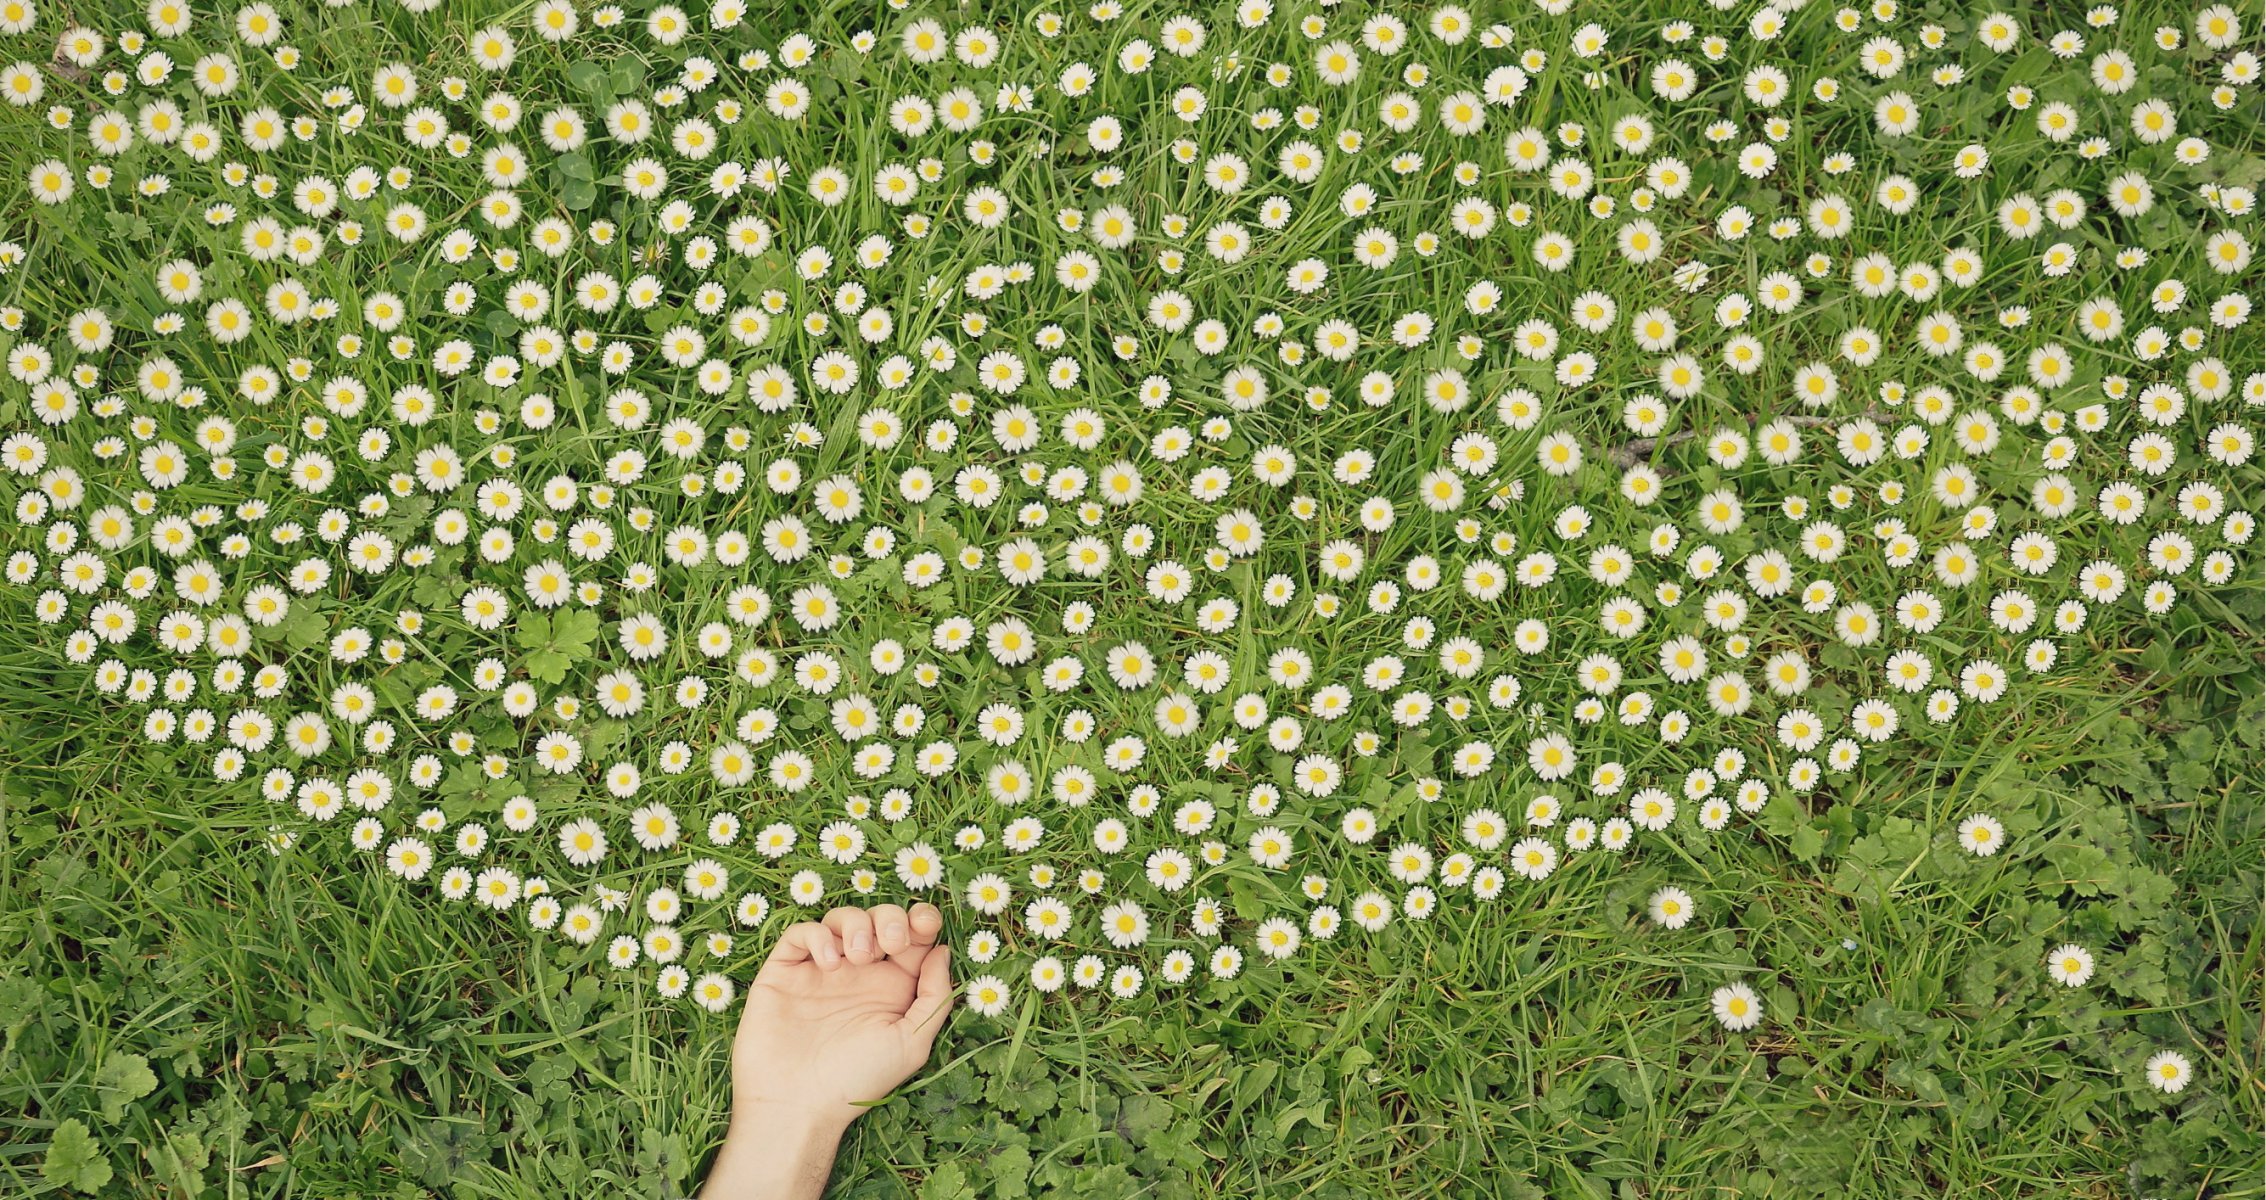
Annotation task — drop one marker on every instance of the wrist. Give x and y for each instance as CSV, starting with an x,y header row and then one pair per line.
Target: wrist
x,y
782,1122
775,1150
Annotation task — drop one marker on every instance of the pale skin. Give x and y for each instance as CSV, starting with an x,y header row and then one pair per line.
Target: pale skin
x,y
843,1010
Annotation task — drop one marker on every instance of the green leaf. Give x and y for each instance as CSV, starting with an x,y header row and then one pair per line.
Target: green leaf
x,y
129,226
1875,864
574,630
1245,900
435,591
532,632
550,666
74,1160
304,628
664,1152
947,1182
463,779
1141,1117
1316,1113
1011,1173
121,1080
1252,1082
586,76
555,644
1916,1079
179,1162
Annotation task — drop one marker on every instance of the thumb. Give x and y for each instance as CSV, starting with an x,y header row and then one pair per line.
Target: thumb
x,y
932,998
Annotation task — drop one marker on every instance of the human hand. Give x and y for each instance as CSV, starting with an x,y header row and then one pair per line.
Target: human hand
x,y
841,1012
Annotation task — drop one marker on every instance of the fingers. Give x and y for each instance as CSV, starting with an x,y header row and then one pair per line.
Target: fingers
x,y
927,923
806,941
894,927
931,998
922,925
860,936
907,936
855,927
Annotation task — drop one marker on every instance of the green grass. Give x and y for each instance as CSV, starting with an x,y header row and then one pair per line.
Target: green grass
x,y
187,1014
314,1032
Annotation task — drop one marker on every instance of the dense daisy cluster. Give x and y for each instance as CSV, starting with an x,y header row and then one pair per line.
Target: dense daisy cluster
x,y
1173,489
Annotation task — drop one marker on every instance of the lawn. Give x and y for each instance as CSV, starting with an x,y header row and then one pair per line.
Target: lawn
x,y
1618,600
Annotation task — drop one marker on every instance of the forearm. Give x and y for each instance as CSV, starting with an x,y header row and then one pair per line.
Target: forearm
x,y
772,1154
